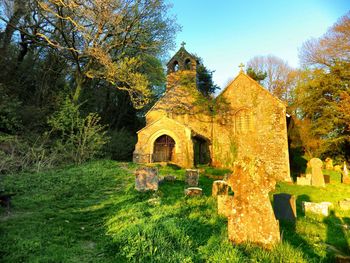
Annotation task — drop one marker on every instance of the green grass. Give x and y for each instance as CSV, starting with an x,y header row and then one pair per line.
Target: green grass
x,y
91,213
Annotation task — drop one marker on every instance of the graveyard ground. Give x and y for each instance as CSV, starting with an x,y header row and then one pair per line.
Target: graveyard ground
x,y
91,213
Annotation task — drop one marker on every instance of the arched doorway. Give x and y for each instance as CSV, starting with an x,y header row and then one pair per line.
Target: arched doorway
x,y
163,150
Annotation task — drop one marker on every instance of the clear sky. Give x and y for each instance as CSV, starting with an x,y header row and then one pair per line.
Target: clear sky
x,y
225,33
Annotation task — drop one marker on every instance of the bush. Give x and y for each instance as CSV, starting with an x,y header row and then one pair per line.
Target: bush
x,y
121,145
9,120
18,154
78,138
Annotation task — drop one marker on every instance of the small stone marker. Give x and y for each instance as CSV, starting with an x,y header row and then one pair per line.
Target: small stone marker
x,y
317,178
316,208
345,170
304,180
193,191
192,176
225,204
328,163
337,168
220,187
284,206
342,259
327,178
344,204
146,178
345,176
346,179
170,178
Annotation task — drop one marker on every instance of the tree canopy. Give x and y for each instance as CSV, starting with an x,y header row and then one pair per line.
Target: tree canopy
x,y
323,89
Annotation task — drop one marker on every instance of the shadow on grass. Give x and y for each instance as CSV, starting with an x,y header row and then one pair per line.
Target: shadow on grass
x,y
336,233
289,232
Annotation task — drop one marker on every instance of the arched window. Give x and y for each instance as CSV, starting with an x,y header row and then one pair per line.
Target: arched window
x,y
175,66
188,64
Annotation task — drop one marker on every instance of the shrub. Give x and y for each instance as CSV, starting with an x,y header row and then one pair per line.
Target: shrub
x,y
78,138
9,120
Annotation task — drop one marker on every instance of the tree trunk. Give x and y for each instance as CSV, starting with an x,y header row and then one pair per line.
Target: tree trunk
x,y
18,12
79,84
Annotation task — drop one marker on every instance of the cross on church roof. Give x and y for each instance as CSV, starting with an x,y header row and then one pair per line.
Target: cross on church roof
x,y
241,66
183,44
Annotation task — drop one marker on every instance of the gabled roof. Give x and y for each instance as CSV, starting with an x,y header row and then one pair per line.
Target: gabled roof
x,y
182,51
252,80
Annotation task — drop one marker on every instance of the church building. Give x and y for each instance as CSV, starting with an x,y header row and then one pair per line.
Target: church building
x,y
187,128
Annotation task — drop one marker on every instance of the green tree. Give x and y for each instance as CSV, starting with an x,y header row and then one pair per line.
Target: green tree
x,y
104,40
205,83
257,75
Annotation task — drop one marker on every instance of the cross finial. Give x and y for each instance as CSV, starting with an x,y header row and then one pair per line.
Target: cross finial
x,y
183,44
241,66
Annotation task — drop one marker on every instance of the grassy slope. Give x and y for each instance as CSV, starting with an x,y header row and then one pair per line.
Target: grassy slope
x,y
92,213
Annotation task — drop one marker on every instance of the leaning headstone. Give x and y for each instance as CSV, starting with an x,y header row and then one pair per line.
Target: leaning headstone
x,y
327,178
316,208
225,203
328,163
252,218
317,178
344,204
193,191
192,176
284,207
146,178
304,180
220,187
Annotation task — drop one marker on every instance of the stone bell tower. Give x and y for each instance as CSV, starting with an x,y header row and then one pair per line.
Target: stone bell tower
x,y
182,65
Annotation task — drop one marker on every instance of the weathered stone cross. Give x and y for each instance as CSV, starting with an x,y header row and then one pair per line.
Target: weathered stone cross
x,y
183,44
241,66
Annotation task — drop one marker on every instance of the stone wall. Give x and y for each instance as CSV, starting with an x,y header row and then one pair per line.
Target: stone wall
x,y
183,154
248,122
252,125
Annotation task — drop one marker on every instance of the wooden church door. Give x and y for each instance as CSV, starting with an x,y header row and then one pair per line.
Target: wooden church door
x,y
163,149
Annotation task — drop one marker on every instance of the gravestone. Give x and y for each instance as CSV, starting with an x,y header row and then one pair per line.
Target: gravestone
x,y
327,178
344,204
225,203
328,163
345,170
317,178
337,168
345,176
146,178
284,207
316,208
192,176
170,178
252,218
220,187
304,180
193,191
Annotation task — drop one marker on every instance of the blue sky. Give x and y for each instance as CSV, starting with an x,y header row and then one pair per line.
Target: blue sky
x,y
227,32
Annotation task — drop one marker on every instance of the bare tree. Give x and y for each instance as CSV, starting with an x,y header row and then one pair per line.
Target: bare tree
x,y
331,47
279,75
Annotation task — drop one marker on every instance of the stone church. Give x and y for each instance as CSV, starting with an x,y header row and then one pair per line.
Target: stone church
x,y
186,128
